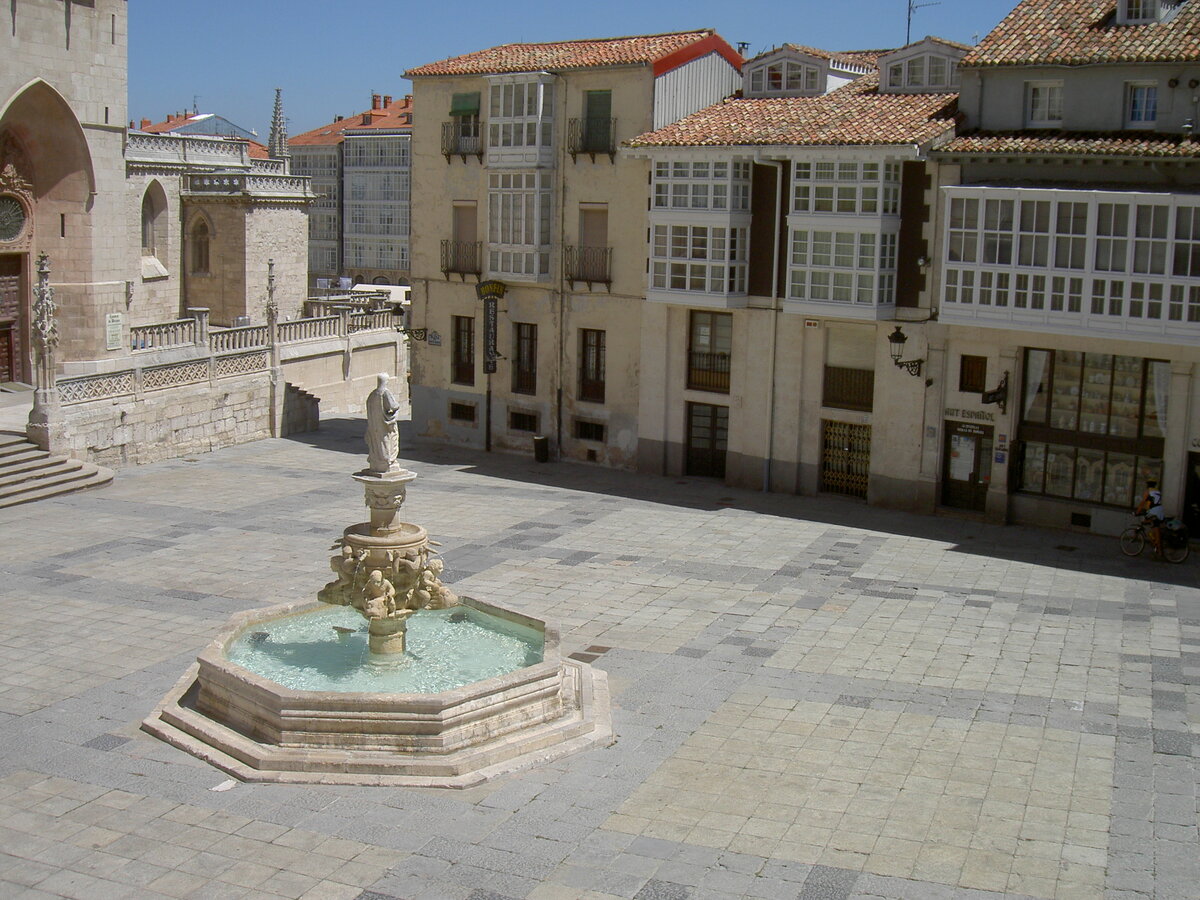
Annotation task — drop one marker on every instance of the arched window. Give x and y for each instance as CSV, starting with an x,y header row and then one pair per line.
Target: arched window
x,y
200,237
154,221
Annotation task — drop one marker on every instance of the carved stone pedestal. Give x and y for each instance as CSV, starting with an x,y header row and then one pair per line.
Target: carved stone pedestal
x,y
386,636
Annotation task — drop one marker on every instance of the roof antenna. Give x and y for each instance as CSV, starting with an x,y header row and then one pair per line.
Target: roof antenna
x,y
195,104
913,6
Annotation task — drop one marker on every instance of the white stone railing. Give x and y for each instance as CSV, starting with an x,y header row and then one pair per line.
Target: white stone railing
x,y
244,338
249,183
308,329
142,378
161,335
376,320
183,149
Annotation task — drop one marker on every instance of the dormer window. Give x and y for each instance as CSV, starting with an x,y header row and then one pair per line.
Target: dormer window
x,y
1137,11
784,77
927,66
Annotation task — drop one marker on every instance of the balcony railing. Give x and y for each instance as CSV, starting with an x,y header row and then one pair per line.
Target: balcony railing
x,y
459,139
849,388
592,265
708,371
591,389
462,258
592,135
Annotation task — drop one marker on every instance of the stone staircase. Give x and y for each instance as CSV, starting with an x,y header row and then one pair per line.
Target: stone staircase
x,y
28,473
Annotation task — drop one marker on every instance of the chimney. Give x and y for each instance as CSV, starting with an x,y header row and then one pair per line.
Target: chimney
x,y
337,118
145,124
408,98
375,98
387,100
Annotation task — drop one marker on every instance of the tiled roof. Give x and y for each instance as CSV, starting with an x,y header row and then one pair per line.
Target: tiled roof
x,y
1122,144
396,115
1081,32
854,114
619,51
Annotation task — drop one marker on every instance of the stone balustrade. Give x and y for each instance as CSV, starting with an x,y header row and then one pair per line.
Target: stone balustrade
x,y
162,335
182,149
290,186
244,338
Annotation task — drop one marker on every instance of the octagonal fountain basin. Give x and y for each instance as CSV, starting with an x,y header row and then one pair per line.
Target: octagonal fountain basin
x,y
291,694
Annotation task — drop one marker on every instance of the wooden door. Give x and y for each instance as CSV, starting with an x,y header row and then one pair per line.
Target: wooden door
x,y
707,437
967,465
13,315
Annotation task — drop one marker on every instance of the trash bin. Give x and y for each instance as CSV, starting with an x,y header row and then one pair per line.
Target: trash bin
x,y
541,448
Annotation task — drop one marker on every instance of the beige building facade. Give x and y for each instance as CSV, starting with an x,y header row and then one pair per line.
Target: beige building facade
x,y
519,191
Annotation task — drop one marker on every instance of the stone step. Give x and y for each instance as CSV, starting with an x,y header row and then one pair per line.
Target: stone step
x,y
28,464
10,444
51,467
53,481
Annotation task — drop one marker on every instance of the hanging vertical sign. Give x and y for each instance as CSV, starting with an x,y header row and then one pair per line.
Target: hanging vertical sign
x,y
490,293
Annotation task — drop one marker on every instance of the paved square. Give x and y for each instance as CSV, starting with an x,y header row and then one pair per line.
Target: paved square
x,y
812,698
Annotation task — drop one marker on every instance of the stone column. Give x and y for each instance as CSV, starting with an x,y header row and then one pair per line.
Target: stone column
x,y
46,426
996,509
200,314
1175,444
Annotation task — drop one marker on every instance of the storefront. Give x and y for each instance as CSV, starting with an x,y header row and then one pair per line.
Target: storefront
x,y
966,465
1092,426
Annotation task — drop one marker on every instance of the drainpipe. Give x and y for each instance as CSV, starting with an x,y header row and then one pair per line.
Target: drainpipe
x,y
775,310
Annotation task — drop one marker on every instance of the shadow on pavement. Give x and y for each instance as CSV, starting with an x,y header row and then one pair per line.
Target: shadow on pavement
x,y
1080,552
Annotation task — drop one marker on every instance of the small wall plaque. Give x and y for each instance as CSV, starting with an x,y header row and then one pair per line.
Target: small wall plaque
x,y
112,331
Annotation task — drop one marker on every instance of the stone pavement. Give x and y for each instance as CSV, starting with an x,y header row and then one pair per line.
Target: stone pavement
x,y
813,699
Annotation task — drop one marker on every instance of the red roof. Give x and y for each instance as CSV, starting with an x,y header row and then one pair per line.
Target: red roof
x,y
1082,32
856,113
397,114
647,49
1122,144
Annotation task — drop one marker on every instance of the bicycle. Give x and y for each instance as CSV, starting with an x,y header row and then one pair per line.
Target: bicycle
x,y
1173,534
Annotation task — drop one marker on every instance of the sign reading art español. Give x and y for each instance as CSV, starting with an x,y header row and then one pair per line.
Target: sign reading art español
x,y
977,415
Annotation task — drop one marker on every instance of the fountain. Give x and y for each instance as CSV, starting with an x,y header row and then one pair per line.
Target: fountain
x,y
303,693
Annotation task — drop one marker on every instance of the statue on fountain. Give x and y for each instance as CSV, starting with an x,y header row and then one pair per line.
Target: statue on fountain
x,y
383,566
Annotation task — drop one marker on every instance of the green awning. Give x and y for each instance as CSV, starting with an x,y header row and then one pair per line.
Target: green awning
x,y
465,104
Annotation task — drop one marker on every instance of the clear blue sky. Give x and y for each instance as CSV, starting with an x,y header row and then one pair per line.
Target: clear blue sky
x,y
329,55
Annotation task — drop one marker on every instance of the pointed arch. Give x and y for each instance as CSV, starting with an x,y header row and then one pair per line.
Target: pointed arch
x,y
200,235
45,126
154,221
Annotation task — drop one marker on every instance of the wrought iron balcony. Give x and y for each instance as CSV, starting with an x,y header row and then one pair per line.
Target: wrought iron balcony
x,y
708,371
592,136
462,258
592,265
462,139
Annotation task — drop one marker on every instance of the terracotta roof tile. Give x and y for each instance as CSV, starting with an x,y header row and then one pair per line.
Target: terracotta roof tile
x,y
1081,32
1040,143
854,114
558,55
863,58
396,115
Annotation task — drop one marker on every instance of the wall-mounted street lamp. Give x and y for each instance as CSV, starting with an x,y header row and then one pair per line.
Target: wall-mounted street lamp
x,y
896,341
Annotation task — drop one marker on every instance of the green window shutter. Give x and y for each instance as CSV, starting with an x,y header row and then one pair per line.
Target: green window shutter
x,y
465,104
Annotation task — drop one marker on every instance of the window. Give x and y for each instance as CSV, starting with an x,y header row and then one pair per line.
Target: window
x,y
1033,239
462,412
972,374
589,431
200,242
154,221
814,251
1150,239
702,185
1112,231
846,188
785,76
1141,104
1187,241
520,114
963,242
461,133
463,350
522,421
591,365
1070,230
1043,104
519,224
698,258
1135,12
1091,425
710,341
524,370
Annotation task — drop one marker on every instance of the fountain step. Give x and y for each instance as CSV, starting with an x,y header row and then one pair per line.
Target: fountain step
x,y
586,723
28,473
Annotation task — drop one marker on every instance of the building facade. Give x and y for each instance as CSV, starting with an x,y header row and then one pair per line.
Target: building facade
x,y
522,195
360,168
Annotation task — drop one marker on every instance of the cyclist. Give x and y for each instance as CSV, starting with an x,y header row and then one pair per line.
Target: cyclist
x,y
1151,508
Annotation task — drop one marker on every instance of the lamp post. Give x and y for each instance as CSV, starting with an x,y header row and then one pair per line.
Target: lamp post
x,y
896,341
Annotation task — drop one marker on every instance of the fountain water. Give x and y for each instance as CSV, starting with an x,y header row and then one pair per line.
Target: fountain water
x,y
293,693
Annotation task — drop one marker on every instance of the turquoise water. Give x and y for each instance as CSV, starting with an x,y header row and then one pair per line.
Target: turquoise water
x,y
446,649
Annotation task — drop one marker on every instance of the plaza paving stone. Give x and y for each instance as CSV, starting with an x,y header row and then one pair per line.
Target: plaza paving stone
x,y
812,698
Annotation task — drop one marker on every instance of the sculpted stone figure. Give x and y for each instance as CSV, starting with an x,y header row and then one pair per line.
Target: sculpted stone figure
x,y
379,597
430,593
345,566
383,438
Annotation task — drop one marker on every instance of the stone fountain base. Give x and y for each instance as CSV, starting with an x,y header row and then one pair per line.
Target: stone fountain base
x,y
257,730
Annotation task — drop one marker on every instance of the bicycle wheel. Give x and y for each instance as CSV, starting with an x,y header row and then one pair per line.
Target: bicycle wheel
x,y
1176,554
1133,540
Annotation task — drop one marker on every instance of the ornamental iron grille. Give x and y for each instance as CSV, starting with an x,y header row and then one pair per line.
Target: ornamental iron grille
x,y
845,458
